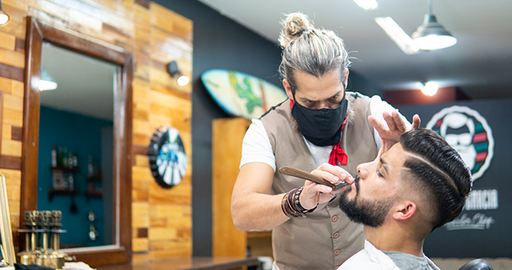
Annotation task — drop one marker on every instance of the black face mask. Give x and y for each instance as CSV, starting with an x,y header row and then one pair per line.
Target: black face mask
x,y
321,127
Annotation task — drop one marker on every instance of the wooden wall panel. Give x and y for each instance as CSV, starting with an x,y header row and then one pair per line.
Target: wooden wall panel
x,y
161,218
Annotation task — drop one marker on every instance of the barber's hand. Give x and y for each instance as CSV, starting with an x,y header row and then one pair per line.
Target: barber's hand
x,y
396,126
314,193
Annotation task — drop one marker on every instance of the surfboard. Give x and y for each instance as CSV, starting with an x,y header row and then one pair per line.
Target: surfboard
x,y
241,94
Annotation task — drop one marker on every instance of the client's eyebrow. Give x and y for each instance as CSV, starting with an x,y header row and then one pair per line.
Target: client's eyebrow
x,y
384,165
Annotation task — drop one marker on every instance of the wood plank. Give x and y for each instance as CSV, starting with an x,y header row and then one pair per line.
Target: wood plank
x,y
6,131
140,215
140,149
17,88
142,232
13,194
141,173
140,191
142,3
140,127
19,45
157,193
10,162
165,46
12,176
11,148
123,25
11,72
140,244
227,136
13,118
12,102
162,233
166,210
12,58
18,4
55,9
7,41
16,133
1,118
141,139
6,85
141,161
179,252
169,244
16,25
170,21
123,7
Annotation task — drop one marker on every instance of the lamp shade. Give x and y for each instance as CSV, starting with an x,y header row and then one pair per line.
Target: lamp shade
x,y
47,82
432,36
4,18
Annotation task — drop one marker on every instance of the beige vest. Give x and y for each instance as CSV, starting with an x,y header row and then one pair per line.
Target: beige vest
x,y
326,237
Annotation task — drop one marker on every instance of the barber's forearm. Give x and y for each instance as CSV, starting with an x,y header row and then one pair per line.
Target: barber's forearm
x,y
257,211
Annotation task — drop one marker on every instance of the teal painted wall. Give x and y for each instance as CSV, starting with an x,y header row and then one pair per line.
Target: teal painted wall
x,y
82,136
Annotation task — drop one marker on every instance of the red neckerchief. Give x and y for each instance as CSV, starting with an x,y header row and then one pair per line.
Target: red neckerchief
x,y
337,153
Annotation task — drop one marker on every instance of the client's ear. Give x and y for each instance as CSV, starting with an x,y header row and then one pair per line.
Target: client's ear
x,y
404,210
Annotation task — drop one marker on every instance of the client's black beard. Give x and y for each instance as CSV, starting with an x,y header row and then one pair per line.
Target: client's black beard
x,y
367,213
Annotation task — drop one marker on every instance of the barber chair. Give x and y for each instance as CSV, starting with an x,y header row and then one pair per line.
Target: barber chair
x,y
477,264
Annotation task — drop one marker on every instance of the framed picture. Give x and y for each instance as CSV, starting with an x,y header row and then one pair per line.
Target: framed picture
x,y
5,229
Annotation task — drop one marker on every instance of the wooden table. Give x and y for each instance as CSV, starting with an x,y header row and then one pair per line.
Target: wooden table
x,y
188,263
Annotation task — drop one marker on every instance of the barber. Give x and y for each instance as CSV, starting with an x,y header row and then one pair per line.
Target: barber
x,y
321,128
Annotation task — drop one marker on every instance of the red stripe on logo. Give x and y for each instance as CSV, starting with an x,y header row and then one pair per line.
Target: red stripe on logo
x,y
480,137
481,156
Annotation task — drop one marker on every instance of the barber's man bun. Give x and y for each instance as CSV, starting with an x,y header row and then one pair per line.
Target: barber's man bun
x,y
294,26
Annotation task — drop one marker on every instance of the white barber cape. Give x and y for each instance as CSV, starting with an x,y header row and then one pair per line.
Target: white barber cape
x,y
370,258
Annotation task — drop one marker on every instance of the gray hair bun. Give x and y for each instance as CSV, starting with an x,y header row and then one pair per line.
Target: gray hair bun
x,y
294,25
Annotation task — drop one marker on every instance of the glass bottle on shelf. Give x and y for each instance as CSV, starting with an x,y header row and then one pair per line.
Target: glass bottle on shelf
x,y
70,160
65,157
90,167
59,155
71,181
54,156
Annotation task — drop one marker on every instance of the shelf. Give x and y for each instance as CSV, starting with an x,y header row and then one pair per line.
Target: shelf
x,y
67,191
94,194
94,177
66,169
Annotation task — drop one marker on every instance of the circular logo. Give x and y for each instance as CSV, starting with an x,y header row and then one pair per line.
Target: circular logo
x,y
167,157
468,133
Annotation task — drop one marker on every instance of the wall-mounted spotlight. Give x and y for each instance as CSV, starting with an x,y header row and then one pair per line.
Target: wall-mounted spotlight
x,y
4,18
173,69
430,88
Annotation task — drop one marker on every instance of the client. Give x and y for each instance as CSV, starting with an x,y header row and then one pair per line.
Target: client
x,y
416,186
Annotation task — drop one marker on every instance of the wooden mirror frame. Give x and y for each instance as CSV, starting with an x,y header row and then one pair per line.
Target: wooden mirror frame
x,y
39,31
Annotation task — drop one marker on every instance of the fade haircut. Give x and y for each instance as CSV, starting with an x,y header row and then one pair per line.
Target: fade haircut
x,y
308,49
441,171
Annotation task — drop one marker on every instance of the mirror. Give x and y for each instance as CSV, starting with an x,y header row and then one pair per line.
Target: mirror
x,y
76,145
111,152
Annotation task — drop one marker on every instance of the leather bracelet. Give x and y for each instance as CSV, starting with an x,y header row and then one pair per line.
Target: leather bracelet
x,y
299,206
288,205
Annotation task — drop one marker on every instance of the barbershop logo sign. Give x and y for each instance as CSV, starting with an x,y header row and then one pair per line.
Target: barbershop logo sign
x,y
468,133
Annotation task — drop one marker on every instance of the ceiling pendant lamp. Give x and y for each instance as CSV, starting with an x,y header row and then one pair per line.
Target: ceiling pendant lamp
x,y
431,35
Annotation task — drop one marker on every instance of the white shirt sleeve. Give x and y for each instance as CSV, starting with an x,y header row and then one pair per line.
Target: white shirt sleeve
x,y
377,108
256,146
